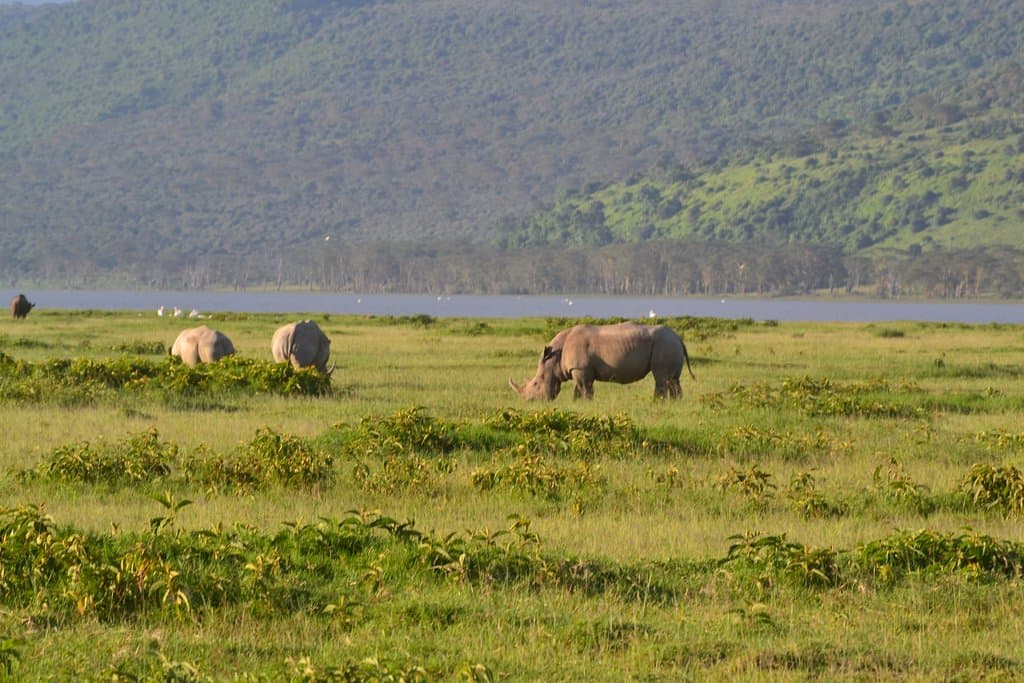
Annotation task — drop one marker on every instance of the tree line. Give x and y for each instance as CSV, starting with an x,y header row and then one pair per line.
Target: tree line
x,y
660,268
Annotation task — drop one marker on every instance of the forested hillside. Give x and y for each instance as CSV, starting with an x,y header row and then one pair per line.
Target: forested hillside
x,y
185,142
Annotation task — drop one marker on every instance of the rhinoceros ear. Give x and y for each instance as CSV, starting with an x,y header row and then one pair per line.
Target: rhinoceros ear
x,y
550,353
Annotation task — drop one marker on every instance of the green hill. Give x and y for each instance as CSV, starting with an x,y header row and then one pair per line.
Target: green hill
x,y
187,142
957,187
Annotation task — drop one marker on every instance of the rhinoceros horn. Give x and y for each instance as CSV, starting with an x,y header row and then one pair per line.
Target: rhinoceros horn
x,y
515,387
330,370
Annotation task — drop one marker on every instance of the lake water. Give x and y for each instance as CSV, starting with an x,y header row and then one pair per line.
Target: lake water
x,y
524,306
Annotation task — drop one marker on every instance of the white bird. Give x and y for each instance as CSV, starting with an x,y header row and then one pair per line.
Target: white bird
x,y
160,311
194,314
652,314
177,312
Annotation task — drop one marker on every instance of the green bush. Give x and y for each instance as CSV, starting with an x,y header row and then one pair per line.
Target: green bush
x,y
140,458
396,472
268,459
822,397
81,381
906,552
531,472
754,484
996,488
772,559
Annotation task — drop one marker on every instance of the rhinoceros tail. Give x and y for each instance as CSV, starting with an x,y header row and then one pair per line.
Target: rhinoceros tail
x,y
686,359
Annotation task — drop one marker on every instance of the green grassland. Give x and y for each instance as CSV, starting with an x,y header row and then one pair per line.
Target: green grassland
x,y
827,501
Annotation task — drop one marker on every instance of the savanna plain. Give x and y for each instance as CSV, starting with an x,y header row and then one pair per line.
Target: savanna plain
x,y
827,501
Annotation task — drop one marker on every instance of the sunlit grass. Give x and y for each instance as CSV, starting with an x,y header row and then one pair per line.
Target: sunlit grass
x,y
832,480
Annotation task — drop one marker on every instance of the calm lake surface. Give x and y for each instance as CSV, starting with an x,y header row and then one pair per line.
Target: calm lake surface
x,y
523,306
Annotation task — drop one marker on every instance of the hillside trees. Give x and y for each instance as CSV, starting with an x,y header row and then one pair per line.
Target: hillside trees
x,y
202,143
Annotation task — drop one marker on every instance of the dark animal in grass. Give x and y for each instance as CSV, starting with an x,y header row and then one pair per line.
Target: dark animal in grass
x,y
621,353
303,344
201,345
20,306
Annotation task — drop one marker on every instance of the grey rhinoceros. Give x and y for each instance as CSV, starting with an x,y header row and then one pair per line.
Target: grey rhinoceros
x,y
621,353
20,306
201,345
303,344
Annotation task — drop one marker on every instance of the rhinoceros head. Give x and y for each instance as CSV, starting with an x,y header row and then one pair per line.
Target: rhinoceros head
x,y
545,385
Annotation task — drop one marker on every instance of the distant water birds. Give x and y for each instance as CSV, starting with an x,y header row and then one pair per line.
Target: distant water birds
x,y
177,312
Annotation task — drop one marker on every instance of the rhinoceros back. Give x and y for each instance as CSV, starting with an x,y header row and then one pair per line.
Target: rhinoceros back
x,y
201,345
303,344
613,353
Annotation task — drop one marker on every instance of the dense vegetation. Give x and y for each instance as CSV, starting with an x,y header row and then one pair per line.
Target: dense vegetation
x,y
220,143
822,497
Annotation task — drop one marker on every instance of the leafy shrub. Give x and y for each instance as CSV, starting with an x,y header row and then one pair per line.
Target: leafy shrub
x,y
896,485
235,373
77,381
1000,440
749,440
825,398
66,575
808,501
559,422
405,472
531,472
906,552
773,559
996,488
753,484
303,669
140,347
572,434
505,556
140,458
269,459
405,431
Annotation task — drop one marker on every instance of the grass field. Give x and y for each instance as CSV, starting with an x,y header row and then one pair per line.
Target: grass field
x,y
827,501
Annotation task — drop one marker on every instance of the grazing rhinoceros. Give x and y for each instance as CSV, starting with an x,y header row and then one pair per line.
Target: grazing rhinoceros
x,y
303,344
620,353
20,306
201,345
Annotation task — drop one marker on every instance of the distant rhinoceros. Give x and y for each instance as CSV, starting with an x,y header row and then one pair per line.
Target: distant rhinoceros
x,y
303,344
20,306
620,353
201,345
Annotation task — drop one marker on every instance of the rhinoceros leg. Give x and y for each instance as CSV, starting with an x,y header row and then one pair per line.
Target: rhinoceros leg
x,y
583,384
667,387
